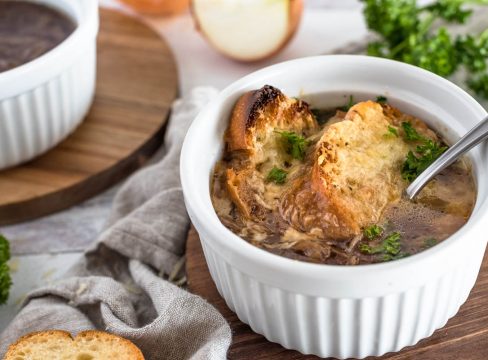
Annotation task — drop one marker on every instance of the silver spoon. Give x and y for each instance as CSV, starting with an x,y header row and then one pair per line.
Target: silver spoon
x,y
472,138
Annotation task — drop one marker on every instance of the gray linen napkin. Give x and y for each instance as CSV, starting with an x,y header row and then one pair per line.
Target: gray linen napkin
x,y
116,287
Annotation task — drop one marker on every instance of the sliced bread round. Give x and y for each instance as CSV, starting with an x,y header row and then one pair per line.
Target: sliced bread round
x,y
60,345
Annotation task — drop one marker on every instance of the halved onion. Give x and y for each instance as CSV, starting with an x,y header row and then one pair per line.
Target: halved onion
x,y
247,30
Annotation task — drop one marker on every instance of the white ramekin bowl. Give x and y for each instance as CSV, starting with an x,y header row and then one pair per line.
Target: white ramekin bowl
x,y
340,311
42,101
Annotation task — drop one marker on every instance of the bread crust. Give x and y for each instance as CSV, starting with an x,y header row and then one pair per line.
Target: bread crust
x,y
357,170
50,335
130,347
14,347
251,140
245,115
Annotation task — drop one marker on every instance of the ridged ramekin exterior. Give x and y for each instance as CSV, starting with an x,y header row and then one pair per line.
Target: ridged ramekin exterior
x,y
46,110
341,327
35,121
330,310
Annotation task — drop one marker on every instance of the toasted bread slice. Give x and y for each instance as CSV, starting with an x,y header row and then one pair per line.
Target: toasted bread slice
x,y
357,166
356,173
60,345
343,184
254,145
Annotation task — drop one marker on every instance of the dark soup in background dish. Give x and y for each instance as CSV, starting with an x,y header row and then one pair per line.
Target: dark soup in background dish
x,y
29,30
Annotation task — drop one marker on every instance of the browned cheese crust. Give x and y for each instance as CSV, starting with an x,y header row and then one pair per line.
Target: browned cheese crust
x,y
347,179
252,142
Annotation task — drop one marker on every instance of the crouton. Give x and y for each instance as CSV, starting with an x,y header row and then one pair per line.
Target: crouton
x,y
255,146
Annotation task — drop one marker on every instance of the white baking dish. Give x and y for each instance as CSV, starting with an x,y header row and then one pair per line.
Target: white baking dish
x,y
42,101
340,311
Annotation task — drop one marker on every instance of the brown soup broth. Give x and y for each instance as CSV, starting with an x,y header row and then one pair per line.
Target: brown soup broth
x,y
441,209
29,30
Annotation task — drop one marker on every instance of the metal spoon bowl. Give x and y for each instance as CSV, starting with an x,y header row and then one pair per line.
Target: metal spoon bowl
x,y
472,138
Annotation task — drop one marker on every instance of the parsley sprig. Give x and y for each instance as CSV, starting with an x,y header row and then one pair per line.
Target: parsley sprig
x,y
372,231
416,164
277,175
409,33
295,145
5,279
392,132
410,133
390,248
425,153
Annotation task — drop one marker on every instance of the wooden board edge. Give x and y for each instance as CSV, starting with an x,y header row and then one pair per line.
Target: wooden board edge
x,y
33,208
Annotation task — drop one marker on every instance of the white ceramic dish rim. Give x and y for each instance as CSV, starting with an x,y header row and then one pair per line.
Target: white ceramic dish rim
x,y
29,75
207,222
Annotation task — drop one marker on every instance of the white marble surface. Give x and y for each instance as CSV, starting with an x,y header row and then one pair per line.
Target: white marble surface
x,y
30,272
45,248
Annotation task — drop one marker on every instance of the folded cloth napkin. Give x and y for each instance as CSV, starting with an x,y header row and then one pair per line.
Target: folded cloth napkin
x,y
117,285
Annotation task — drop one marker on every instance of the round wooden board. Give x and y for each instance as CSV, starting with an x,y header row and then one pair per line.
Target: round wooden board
x,y
464,337
136,83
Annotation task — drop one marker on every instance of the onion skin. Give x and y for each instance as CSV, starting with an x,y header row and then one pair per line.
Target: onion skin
x,y
296,11
158,7
295,15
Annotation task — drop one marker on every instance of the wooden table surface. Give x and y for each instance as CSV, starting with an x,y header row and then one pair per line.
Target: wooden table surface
x,y
465,337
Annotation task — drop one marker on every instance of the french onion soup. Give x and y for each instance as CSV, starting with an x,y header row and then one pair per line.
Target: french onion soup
x,y
29,30
326,186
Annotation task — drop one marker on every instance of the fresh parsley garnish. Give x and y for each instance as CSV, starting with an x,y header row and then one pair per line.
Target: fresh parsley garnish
x,y
4,249
400,255
390,248
391,244
295,145
349,104
427,153
5,279
410,133
381,99
372,231
409,32
366,249
392,132
277,175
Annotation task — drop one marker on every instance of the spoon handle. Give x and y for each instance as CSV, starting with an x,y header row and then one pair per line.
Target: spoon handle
x,y
472,138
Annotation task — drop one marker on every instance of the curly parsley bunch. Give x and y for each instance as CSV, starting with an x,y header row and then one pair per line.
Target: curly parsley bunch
x,y
407,33
5,279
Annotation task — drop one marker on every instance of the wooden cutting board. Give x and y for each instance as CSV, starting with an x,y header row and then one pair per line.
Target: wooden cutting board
x,y
136,83
465,337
